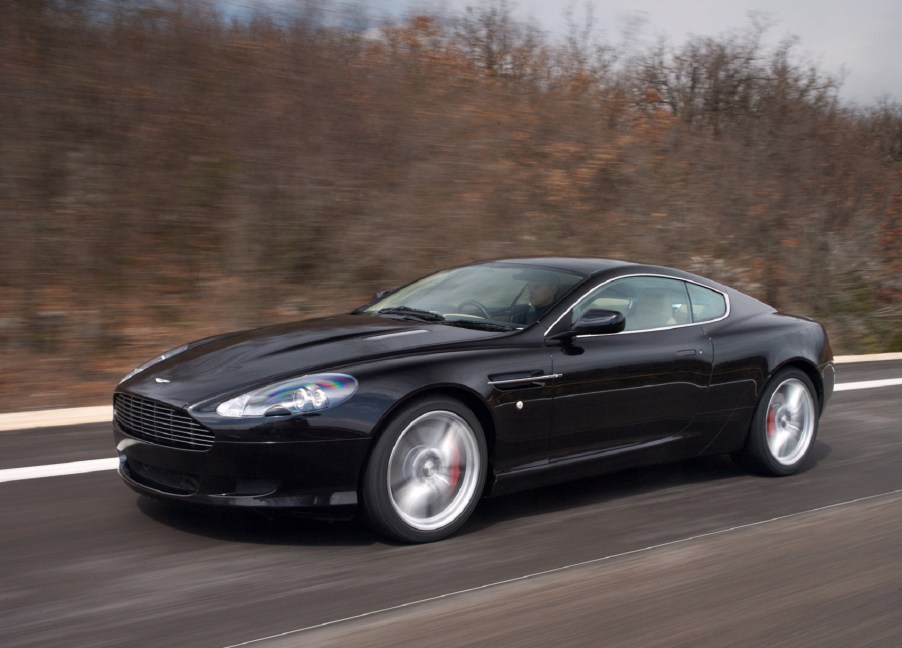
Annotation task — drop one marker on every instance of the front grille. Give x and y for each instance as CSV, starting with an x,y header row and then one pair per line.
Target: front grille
x,y
161,424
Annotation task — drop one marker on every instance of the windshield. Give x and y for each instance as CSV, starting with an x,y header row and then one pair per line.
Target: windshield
x,y
494,296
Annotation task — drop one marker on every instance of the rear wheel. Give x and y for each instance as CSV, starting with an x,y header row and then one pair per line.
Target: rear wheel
x,y
784,427
426,472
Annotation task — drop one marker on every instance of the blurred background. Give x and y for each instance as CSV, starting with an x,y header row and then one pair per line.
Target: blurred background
x,y
174,169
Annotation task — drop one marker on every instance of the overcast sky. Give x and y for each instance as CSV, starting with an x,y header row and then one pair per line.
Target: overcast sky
x,y
862,38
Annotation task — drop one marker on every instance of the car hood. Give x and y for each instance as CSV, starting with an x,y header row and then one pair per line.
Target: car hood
x,y
222,365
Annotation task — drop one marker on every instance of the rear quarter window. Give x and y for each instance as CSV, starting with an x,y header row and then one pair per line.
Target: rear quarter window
x,y
706,304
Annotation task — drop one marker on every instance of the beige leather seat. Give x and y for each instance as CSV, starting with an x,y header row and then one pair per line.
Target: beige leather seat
x,y
653,309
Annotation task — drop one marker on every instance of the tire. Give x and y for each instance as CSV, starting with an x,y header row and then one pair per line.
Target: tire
x,y
426,472
784,426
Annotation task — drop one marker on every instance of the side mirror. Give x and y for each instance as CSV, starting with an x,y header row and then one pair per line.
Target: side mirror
x,y
598,321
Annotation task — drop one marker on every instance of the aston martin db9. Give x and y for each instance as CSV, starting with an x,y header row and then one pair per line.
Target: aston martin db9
x,y
472,382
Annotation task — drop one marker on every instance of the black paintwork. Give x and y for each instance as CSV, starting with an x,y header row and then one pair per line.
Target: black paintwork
x,y
618,400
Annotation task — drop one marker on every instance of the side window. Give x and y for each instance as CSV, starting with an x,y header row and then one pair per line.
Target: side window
x,y
707,304
646,302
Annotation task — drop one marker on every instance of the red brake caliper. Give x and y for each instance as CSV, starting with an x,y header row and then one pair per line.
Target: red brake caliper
x,y
771,421
454,468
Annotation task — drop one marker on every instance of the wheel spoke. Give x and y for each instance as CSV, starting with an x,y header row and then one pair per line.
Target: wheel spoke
x,y
448,446
405,445
448,477
781,438
793,398
413,498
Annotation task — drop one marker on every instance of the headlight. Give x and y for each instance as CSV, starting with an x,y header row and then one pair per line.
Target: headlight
x,y
304,394
154,361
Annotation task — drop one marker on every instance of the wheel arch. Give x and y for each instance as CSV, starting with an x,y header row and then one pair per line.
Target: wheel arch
x,y
809,369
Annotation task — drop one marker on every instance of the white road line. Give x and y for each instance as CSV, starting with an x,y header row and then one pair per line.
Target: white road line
x,y
868,384
593,561
871,357
54,418
56,470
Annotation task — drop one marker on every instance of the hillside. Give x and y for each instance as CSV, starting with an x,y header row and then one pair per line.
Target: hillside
x,y
167,172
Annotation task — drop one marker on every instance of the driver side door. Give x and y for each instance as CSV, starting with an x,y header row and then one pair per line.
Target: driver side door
x,y
636,391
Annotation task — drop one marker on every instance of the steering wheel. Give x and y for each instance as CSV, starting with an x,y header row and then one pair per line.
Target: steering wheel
x,y
483,311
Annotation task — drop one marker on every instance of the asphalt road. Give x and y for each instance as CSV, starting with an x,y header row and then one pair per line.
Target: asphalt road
x,y
692,554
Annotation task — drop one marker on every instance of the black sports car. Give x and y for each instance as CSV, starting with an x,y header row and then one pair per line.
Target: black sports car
x,y
475,381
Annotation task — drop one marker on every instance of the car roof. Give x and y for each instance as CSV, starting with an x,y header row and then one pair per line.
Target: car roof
x,y
571,264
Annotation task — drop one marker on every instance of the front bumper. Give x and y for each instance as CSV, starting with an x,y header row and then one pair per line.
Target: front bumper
x,y
316,477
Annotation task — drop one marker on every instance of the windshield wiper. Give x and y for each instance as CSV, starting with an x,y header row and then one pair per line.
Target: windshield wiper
x,y
412,313
480,325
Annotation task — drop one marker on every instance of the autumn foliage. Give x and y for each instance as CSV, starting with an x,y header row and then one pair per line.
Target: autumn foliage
x,y
168,171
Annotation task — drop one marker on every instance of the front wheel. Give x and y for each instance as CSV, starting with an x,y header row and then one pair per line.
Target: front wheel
x,y
427,471
784,426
